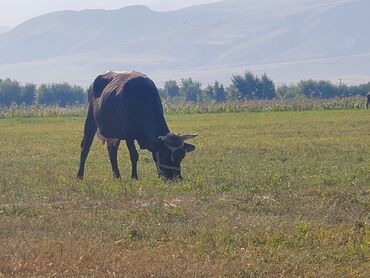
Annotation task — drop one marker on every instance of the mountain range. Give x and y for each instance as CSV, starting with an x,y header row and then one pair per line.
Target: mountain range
x,y
4,29
289,40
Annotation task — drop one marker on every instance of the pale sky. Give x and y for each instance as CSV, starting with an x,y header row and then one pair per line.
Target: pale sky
x,y
14,12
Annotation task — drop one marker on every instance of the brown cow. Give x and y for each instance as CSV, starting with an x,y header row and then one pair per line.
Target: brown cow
x,y
126,106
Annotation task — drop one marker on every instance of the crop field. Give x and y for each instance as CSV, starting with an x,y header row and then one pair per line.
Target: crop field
x,y
264,195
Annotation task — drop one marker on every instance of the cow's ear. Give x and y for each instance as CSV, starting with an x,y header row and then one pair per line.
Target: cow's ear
x,y
189,147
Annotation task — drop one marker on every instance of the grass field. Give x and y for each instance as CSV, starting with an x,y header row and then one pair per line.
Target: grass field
x,y
265,194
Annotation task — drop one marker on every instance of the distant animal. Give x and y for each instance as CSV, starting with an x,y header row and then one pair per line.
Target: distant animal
x,y
126,106
367,100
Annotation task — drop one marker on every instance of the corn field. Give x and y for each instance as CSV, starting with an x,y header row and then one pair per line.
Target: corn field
x,y
301,104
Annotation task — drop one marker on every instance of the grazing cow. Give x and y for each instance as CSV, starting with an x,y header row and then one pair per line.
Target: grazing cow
x,y
367,100
126,106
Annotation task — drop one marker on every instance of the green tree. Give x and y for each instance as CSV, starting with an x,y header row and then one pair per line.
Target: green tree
x,y
309,88
243,87
190,90
322,89
265,88
207,94
219,92
285,92
29,93
10,92
171,89
60,94
45,95
215,93
327,89
362,89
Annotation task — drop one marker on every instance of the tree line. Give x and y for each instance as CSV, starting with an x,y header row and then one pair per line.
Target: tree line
x,y
249,86
60,94
321,89
243,87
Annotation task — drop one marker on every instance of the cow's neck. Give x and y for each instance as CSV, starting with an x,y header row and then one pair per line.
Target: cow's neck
x,y
149,140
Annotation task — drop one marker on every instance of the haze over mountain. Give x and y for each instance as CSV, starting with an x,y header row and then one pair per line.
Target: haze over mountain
x,y
290,40
4,29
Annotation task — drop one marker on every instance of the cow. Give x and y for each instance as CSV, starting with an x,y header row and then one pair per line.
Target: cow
x,y
367,100
126,106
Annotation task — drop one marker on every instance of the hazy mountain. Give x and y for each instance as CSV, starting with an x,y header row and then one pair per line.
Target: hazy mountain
x,y
4,29
287,39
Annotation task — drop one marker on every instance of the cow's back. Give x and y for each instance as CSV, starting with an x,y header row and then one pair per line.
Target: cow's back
x,y
125,103
111,81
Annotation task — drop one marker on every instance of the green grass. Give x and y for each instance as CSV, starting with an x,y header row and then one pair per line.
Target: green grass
x,y
265,194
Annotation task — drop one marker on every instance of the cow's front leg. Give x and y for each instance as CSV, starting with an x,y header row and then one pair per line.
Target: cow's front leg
x,y
134,157
112,150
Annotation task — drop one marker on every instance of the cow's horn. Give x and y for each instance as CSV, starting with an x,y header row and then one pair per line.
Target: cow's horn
x,y
187,137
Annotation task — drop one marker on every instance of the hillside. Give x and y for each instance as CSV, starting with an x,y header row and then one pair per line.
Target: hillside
x,y
4,29
288,40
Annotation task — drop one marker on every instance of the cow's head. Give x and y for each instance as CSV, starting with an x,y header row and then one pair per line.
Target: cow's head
x,y
171,151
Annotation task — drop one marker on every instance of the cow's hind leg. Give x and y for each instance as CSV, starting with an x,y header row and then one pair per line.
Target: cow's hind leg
x,y
112,150
134,157
89,133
